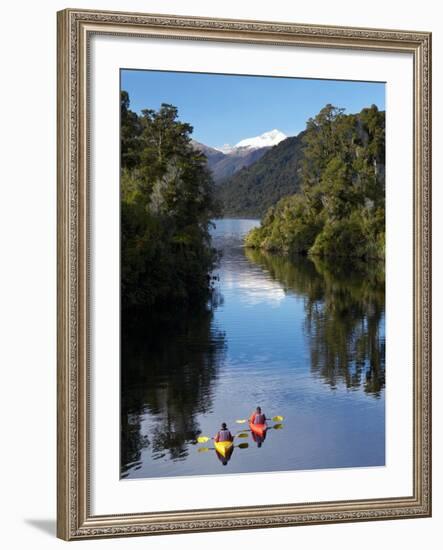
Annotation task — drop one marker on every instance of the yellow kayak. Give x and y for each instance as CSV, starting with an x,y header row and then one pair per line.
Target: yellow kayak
x,y
223,447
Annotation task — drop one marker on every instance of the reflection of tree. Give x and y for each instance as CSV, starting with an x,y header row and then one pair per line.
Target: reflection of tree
x,y
170,375
344,304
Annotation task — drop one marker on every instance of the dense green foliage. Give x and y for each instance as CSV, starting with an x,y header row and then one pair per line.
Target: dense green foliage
x,y
252,190
339,209
166,206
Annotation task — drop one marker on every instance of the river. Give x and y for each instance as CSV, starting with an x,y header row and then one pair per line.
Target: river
x,y
302,339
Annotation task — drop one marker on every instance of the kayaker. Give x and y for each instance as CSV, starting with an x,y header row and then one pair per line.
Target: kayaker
x,y
223,434
257,417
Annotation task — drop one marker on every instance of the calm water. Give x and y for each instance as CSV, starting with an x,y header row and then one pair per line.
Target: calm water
x,y
303,340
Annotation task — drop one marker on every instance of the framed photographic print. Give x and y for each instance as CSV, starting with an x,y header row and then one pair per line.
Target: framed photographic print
x,y
243,274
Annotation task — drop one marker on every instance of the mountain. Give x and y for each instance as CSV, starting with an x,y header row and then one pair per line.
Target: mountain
x,y
236,160
268,139
253,189
225,161
212,155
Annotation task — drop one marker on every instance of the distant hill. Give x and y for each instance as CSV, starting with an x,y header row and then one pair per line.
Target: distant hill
x,y
227,160
235,161
252,190
213,156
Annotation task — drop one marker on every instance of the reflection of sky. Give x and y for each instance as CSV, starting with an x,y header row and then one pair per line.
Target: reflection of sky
x,y
268,363
243,282
263,324
254,290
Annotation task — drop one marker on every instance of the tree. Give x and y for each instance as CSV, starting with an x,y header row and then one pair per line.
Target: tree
x,y
166,207
340,206
130,130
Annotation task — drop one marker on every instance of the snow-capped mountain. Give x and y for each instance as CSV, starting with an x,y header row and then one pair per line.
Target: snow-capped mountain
x,y
226,149
267,139
227,160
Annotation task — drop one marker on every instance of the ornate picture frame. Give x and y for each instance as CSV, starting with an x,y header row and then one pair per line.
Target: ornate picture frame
x,y
75,518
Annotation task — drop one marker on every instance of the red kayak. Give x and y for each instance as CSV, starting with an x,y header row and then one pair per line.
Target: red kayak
x,y
258,429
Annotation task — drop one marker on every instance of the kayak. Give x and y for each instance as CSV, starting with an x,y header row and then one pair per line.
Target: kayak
x,y
223,447
258,429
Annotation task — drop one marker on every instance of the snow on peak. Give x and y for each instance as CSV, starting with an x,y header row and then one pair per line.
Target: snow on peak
x,y
226,148
268,139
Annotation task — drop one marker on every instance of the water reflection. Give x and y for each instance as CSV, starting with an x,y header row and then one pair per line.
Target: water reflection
x,y
171,378
344,316
225,458
242,280
301,338
259,439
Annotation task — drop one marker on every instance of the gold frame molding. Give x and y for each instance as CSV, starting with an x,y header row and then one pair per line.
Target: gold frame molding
x,y
75,28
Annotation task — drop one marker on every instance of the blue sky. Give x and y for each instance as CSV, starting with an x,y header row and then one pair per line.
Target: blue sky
x,y
228,108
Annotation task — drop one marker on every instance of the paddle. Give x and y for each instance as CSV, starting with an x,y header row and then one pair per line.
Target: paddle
x,y
279,426
206,449
205,438
277,418
244,433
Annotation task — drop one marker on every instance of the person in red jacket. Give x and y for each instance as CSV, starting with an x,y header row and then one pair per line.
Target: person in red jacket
x,y
257,417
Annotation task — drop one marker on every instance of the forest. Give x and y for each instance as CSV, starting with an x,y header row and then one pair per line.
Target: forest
x,y
330,177
339,206
166,210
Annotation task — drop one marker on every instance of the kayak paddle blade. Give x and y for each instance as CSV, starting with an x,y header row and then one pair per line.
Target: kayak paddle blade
x,y
202,439
243,445
242,434
277,418
278,427
203,449
241,421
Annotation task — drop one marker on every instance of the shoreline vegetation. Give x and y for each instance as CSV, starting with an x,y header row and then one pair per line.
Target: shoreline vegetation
x,y
169,199
339,208
320,198
167,205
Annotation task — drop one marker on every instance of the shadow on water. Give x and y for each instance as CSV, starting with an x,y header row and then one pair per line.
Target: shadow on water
x,y
169,374
344,315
